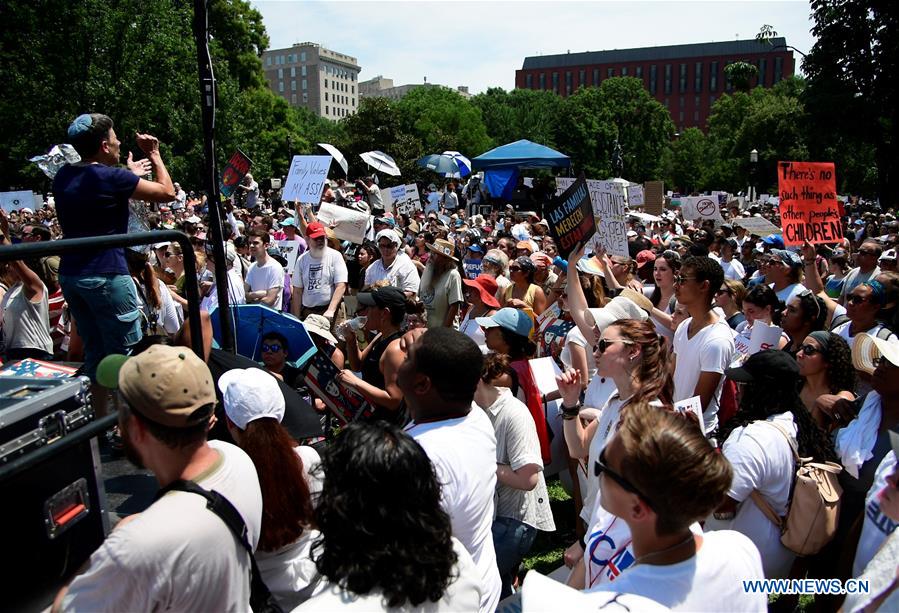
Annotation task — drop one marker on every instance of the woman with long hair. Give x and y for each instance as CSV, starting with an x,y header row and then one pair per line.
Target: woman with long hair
x,y
730,298
760,304
418,250
666,267
254,406
366,254
386,543
758,441
805,313
825,365
523,293
156,304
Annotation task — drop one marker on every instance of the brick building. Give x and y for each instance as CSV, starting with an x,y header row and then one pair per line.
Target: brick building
x,y
311,76
687,79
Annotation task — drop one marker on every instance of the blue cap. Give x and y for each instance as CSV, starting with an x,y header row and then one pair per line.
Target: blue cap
x,y
513,320
289,221
775,240
476,247
790,258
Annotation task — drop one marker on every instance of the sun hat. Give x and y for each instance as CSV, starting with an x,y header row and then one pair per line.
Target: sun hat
x,y
319,324
865,353
623,306
486,287
790,258
515,321
645,257
526,244
167,385
249,394
443,247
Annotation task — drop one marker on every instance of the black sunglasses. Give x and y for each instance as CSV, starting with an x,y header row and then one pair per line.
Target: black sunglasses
x,y
809,349
856,299
600,467
266,348
604,343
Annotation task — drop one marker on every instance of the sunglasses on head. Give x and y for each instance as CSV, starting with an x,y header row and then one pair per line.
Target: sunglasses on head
x,y
601,468
271,348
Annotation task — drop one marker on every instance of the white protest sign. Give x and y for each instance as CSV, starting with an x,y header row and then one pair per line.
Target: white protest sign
x,y
13,201
306,179
757,225
763,337
700,207
289,251
635,195
410,201
607,199
691,405
348,225
391,195
545,371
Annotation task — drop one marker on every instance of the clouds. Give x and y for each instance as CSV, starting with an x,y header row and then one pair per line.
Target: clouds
x,y
481,44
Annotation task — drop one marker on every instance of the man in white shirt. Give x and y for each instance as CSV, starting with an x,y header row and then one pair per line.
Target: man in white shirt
x,y
265,278
394,266
319,278
732,267
660,475
866,257
372,194
450,200
168,557
703,344
438,380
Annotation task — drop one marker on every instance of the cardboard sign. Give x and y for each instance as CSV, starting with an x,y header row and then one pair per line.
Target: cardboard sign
x,y
411,200
290,251
306,179
700,207
391,195
607,202
759,226
235,170
14,201
654,197
348,224
545,370
635,196
570,217
347,404
808,202
691,405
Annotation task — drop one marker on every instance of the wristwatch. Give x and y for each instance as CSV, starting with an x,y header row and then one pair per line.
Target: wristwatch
x,y
570,412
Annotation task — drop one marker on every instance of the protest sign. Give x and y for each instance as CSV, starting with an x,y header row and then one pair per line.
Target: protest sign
x,y
347,404
410,202
234,172
348,224
763,337
14,201
635,196
759,226
691,405
545,370
472,268
290,251
808,202
654,197
607,202
306,179
391,195
570,217
700,207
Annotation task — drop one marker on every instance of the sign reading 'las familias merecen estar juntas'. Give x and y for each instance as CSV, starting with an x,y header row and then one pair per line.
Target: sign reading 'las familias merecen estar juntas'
x,y
808,202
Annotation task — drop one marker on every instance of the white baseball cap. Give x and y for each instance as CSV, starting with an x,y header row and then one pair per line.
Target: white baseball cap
x,y
249,394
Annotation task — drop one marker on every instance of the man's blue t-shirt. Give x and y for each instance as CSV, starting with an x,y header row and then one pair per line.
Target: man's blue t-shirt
x,y
92,200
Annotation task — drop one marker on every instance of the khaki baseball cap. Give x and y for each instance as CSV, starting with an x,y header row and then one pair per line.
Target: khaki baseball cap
x,y
167,385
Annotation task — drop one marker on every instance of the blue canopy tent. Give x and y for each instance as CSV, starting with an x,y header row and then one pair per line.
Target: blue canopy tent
x,y
502,164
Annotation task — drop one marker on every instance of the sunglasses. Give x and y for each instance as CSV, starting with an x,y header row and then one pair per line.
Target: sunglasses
x,y
856,299
604,343
721,292
866,252
169,254
511,268
600,467
681,279
809,350
266,348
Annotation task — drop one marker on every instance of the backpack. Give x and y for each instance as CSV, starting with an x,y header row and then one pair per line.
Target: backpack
x,y
883,334
814,508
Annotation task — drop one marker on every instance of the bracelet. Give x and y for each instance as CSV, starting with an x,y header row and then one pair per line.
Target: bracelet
x,y
570,412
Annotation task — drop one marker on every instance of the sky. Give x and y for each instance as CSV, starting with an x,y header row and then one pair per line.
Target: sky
x,y
482,44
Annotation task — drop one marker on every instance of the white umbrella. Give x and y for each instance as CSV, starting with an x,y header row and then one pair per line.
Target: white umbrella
x,y
381,162
337,155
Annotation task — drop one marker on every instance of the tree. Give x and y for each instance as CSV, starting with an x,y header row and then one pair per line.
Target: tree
x,y
443,120
740,74
853,96
519,114
688,161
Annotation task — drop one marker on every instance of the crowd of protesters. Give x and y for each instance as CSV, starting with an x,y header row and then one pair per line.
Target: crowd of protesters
x,y
434,498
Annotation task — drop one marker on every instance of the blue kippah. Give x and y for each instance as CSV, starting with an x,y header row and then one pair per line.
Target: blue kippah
x,y
81,124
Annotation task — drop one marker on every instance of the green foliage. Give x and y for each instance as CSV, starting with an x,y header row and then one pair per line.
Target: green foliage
x,y
740,74
443,121
519,114
688,160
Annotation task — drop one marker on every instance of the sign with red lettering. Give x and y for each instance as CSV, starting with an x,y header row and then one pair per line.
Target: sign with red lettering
x,y
570,217
235,170
808,202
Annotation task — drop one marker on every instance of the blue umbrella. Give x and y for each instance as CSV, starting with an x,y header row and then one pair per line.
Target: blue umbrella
x,y
252,321
445,164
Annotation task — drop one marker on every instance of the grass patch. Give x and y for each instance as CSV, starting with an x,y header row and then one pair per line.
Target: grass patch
x,y
546,553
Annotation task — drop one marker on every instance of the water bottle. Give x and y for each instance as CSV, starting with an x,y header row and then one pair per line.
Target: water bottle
x,y
355,324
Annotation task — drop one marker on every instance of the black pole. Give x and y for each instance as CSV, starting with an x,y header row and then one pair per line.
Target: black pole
x,y
210,175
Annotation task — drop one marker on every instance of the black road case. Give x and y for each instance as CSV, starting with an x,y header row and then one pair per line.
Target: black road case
x,y
54,509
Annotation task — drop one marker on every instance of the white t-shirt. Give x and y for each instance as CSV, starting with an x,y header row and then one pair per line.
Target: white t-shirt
x,y
319,276
178,555
265,277
465,593
236,294
463,451
877,527
843,330
607,426
517,445
712,580
733,270
438,295
541,593
710,350
574,337
402,273
789,292
762,460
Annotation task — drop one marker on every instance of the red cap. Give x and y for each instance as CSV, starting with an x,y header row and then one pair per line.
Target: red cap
x,y
644,257
315,230
487,287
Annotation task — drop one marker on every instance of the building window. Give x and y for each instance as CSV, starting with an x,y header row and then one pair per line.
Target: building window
x,y
305,98
681,116
268,61
680,102
293,71
293,98
326,83
326,96
354,101
711,101
303,70
763,72
682,82
568,83
697,77
542,79
778,69
667,78
638,72
528,81
624,71
302,56
281,59
280,73
596,77
728,84
666,103
653,74
556,82
293,86
352,89
713,77
303,84
696,102
610,72
695,116
281,86
582,78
